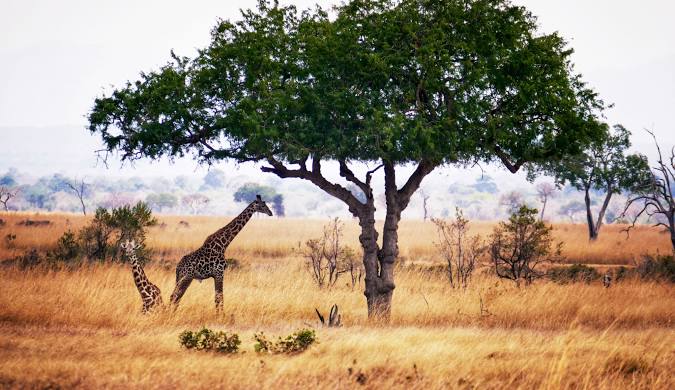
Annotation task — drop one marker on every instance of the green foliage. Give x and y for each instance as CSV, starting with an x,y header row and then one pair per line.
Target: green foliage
x,y
659,267
247,193
398,81
604,166
294,343
518,246
161,201
214,179
67,248
209,340
101,239
573,273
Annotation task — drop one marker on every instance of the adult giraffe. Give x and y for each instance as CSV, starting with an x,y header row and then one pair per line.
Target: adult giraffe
x,y
209,260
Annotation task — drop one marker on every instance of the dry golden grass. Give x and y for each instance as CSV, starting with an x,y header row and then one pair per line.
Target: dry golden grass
x,y
274,238
83,328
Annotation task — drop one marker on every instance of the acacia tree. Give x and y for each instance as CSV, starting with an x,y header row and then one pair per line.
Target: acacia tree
x,y
604,167
387,83
81,190
545,190
6,194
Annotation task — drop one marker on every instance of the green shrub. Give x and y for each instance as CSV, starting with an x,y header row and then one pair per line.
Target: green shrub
x,y
209,340
573,273
67,248
659,267
292,344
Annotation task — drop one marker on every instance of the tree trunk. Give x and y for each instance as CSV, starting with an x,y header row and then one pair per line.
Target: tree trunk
x,y
543,208
603,209
592,235
378,293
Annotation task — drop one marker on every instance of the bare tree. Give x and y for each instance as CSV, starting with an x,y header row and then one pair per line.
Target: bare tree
x,y
545,190
327,258
195,202
425,203
460,250
512,201
655,194
80,189
6,194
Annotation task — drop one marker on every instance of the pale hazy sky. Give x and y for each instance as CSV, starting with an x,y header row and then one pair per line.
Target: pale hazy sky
x,y
57,56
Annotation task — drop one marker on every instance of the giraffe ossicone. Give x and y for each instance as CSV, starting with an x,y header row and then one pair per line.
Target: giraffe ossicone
x,y
208,261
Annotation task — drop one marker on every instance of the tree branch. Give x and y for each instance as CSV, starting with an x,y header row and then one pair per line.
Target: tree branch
x,y
423,169
315,177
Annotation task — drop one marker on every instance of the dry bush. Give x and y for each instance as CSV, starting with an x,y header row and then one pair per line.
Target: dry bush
x,y
460,251
327,257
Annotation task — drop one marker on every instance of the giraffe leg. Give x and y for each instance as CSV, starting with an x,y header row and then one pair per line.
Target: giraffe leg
x,y
178,292
218,283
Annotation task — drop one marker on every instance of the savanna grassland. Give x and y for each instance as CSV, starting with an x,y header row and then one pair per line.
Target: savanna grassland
x,y
82,327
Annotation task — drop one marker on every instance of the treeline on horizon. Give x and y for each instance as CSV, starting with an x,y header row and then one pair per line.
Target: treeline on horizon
x,y
216,193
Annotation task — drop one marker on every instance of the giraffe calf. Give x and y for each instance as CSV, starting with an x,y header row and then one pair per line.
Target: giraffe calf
x,y
150,294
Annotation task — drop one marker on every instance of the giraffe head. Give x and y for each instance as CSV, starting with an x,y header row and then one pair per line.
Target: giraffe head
x,y
260,206
129,245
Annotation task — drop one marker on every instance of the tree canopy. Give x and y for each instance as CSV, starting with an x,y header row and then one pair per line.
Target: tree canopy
x,y
399,81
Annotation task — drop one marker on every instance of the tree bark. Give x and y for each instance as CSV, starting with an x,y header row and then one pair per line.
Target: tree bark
x,y
603,209
543,208
589,216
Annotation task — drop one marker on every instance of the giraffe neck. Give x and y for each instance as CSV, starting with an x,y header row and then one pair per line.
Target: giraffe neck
x,y
139,275
224,236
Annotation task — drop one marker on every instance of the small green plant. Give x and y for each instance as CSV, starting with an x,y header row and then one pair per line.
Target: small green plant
x,y
292,344
67,248
209,340
520,244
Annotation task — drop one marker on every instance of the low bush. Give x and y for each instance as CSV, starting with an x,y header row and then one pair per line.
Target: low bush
x,y
292,344
659,267
209,340
573,273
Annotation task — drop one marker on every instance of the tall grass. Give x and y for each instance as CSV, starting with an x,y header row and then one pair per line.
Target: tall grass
x,y
84,328
266,237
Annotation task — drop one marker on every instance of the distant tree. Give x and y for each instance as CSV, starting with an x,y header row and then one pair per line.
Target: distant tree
x,y
485,183
654,195
278,205
522,243
214,178
38,195
81,190
604,167
545,191
571,209
195,202
182,182
9,178
425,203
512,200
7,193
117,199
247,193
162,201
57,183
